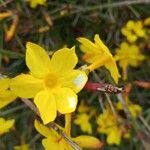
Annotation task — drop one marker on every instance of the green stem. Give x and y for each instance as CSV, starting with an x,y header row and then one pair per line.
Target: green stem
x,y
3,113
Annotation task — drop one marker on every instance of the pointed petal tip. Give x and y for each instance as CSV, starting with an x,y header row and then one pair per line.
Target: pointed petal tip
x,y
73,48
29,43
79,39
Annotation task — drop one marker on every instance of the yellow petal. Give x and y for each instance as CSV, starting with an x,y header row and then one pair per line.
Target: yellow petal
x,y
22,147
37,60
6,97
5,125
135,110
147,21
64,60
26,86
6,14
83,121
87,45
66,100
130,25
51,145
91,57
43,130
112,67
114,136
102,46
75,80
46,104
88,142
4,83
34,3
99,63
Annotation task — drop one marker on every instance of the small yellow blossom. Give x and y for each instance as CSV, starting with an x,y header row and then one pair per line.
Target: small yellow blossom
x,y
54,141
128,55
34,3
53,83
133,30
147,21
22,147
97,54
6,95
83,108
5,125
134,109
108,124
83,121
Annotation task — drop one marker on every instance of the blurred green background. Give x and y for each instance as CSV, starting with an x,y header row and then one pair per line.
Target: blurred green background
x,y
54,26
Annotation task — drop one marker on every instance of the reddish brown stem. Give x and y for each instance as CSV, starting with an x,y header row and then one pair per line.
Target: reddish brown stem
x,y
91,86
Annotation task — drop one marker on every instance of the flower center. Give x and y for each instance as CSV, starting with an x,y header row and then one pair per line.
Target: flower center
x,y
52,81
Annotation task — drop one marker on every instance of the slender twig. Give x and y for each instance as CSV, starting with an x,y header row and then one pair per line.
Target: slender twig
x,y
80,9
125,107
144,122
5,3
59,131
110,5
52,125
12,54
101,102
35,138
30,105
3,113
111,104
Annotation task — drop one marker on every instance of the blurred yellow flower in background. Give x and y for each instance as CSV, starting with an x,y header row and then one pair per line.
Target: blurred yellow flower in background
x,y
97,54
34,3
52,82
147,21
133,30
6,14
128,55
109,124
54,141
6,95
83,108
6,125
134,109
83,121
22,147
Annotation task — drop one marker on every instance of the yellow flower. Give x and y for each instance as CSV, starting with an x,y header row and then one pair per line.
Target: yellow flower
x,y
54,141
6,95
5,125
134,109
34,3
22,147
83,121
127,55
98,55
133,30
108,124
83,108
52,82
147,21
